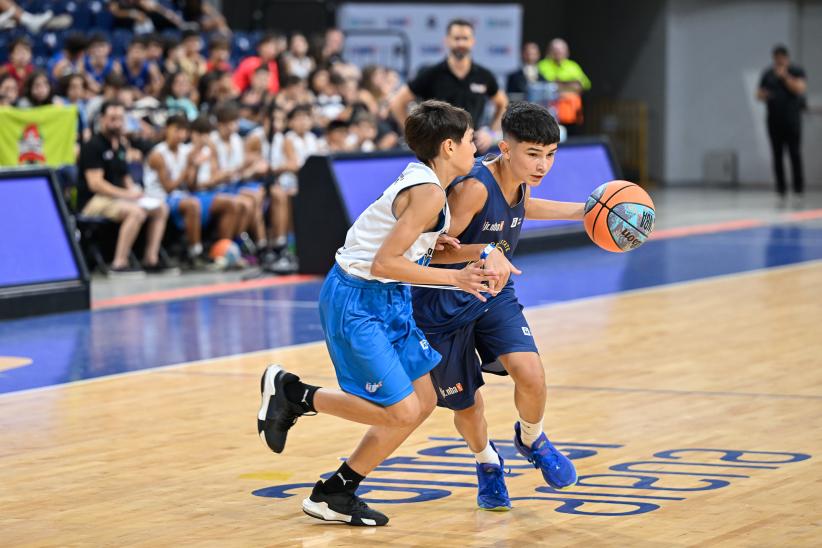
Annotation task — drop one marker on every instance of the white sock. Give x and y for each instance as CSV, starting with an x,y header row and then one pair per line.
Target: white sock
x,y
487,455
280,241
195,250
529,432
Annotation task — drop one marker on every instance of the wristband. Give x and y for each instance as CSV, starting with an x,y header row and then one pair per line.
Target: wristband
x,y
487,251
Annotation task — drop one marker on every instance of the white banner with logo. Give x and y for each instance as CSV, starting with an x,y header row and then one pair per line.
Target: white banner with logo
x,y
498,31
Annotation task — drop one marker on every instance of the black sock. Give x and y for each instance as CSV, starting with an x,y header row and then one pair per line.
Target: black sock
x,y
344,479
302,394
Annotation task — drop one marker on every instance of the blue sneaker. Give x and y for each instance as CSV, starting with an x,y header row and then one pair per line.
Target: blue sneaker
x,y
556,468
492,495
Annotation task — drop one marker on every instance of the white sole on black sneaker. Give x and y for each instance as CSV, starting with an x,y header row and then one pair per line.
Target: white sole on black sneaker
x,y
320,510
267,391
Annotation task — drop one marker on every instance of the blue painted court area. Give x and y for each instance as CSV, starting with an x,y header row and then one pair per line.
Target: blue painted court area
x,y
69,347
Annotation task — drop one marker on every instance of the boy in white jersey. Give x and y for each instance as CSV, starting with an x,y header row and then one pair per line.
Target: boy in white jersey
x,y
381,359
170,172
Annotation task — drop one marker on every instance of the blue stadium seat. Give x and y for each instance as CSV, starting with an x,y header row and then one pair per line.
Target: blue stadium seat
x,y
120,39
103,19
80,10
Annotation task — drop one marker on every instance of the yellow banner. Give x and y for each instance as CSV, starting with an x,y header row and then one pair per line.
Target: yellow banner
x,y
37,136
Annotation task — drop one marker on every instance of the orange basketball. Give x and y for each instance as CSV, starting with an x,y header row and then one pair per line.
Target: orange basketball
x,y
619,216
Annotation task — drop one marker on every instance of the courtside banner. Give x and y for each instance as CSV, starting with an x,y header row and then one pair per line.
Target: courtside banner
x,y
498,30
38,136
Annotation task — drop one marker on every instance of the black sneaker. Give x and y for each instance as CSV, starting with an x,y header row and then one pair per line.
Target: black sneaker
x,y
277,414
126,272
345,507
160,268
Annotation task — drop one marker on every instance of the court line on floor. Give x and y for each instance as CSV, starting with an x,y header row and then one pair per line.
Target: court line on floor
x,y
200,291
231,287
761,271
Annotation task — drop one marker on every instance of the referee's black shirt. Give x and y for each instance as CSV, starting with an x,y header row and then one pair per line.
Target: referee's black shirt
x,y
470,93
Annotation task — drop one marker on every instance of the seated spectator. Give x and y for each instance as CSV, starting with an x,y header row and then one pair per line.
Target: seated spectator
x,y
208,179
9,90
173,57
70,59
333,47
266,55
327,97
219,54
12,15
568,75
72,90
138,71
19,65
338,137
155,49
216,88
37,91
192,62
99,63
106,189
268,143
364,132
177,95
241,175
144,16
171,167
254,99
204,15
293,92
300,137
519,80
298,62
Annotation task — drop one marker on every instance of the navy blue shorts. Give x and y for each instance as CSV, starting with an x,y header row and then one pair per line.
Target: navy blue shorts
x,y
468,350
377,349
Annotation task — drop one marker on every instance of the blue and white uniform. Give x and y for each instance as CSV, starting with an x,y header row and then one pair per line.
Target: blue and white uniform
x,y
376,347
457,324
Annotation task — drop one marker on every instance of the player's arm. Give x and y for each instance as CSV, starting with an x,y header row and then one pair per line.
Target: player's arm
x,y
417,209
465,201
155,162
399,104
500,102
550,210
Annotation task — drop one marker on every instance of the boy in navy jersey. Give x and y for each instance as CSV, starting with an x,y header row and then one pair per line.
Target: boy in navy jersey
x,y
381,359
488,207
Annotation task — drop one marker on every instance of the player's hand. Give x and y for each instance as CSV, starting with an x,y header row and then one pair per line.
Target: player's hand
x,y
499,263
475,278
444,240
483,139
133,194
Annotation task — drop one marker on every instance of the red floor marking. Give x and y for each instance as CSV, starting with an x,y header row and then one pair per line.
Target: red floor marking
x,y
198,291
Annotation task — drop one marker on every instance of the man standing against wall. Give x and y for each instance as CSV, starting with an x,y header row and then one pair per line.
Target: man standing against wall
x,y
782,87
459,81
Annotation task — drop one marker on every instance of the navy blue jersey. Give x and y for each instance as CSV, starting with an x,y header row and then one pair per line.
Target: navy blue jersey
x,y
441,310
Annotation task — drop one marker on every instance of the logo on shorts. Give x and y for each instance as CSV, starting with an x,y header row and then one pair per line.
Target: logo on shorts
x,y
451,390
526,331
372,387
424,344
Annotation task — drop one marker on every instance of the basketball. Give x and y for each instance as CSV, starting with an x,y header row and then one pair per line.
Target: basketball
x,y
225,253
619,216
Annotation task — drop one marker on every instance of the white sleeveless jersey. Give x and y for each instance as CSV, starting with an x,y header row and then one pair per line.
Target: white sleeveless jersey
x,y
175,164
372,227
272,151
204,170
230,155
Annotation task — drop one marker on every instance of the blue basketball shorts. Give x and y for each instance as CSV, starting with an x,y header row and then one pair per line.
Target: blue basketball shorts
x,y
205,197
372,338
475,346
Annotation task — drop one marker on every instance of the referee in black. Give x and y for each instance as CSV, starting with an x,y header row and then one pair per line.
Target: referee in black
x,y
782,87
459,81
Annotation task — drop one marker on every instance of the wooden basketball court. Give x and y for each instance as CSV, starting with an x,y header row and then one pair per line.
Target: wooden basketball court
x,y
692,412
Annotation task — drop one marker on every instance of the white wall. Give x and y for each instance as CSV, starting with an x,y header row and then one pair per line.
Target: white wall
x,y
715,53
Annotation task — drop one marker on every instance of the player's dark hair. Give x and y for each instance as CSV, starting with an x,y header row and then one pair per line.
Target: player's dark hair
x,y
780,49
530,123
459,23
20,41
431,123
